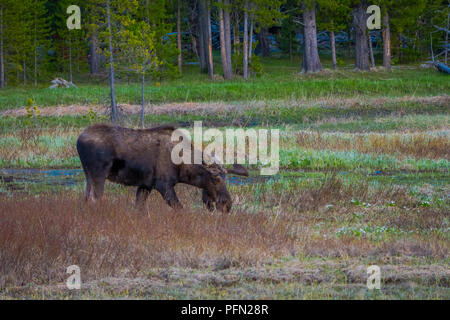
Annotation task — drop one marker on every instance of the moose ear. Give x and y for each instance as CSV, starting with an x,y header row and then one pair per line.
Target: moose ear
x,y
238,170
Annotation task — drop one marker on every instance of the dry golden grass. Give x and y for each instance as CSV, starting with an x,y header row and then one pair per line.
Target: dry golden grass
x,y
218,107
32,142
40,236
420,145
56,147
330,203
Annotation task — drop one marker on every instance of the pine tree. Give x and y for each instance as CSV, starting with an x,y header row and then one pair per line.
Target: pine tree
x,y
257,15
40,33
204,14
71,41
361,40
180,57
2,48
397,17
333,18
139,46
18,38
263,14
286,38
93,26
311,61
165,46
225,37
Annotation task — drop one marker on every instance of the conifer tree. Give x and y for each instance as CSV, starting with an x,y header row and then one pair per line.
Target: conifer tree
x,y
139,46
333,18
311,61
72,41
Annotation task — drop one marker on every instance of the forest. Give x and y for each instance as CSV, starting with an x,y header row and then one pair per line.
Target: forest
x,y
151,40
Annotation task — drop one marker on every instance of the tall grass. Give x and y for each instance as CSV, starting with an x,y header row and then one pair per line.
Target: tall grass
x,y
55,148
40,237
419,145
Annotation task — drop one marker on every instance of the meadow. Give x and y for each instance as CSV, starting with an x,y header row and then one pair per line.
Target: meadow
x,y
364,180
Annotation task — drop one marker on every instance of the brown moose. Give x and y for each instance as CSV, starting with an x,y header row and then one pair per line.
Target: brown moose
x,y
142,158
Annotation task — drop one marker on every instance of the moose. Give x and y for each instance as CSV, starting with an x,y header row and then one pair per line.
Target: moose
x,y
142,158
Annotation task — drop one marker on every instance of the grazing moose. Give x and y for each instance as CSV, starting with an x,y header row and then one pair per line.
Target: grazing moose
x,y
142,158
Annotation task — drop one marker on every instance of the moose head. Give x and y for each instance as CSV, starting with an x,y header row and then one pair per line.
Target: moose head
x,y
215,190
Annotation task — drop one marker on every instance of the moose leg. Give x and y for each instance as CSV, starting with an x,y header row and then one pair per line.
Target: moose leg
x,y
207,200
172,199
98,181
87,192
99,186
168,193
142,194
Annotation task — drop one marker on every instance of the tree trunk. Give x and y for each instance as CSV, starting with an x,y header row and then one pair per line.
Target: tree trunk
x,y
236,37
264,42
223,48
35,51
209,45
2,62
333,49
291,56
143,89
192,27
386,42
93,48
372,58
349,36
205,25
250,42
227,25
201,43
35,67
361,41
24,72
311,60
245,45
431,47
180,61
446,39
223,45
111,68
195,45
70,58
78,59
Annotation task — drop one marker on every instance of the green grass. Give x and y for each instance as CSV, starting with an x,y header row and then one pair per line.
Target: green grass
x,y
277,83
421,122
366,117
56,151
298,158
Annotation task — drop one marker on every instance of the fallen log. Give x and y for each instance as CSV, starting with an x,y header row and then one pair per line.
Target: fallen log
x,y
442,67
61,83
